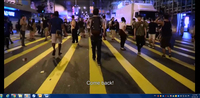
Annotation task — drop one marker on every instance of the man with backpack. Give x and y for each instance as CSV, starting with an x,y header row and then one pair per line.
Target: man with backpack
x,y
74,28
96,37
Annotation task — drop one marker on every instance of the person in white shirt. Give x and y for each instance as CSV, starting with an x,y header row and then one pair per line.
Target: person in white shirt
x,y
122,32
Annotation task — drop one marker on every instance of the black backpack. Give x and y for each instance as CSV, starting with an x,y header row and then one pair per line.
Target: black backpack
x,y
96,26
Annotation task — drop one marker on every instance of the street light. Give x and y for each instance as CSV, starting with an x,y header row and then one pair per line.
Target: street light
x,y
79,7
84,7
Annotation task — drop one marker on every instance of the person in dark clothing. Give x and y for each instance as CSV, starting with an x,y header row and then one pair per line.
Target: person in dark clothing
x,y
116,26
45,27
81,27
112,28
166,34
7,28
182,27
140,33
39,28
11,30
96,37
74,30
105,23
56,27
122,32
18,28
152,33
133,24
29,27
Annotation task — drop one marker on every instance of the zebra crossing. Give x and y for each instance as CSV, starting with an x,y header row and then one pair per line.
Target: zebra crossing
x,y
76,73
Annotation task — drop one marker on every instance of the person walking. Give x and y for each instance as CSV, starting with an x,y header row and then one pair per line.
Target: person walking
x,y
166,34
45,27
88,26
11,30
56,26
116,27
96,37
74,29
81,28
152,33
140,33
122,32
112,28
33,30
105,23
7,28
23,26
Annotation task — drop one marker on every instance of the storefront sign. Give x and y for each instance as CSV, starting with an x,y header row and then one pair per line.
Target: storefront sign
x,y
9,13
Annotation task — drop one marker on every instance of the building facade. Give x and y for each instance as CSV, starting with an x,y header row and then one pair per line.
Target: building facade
x,y
183,11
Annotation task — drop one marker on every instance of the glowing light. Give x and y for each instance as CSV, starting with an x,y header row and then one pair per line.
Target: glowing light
x,y
120,6
9,8
9,13
84,7
186,22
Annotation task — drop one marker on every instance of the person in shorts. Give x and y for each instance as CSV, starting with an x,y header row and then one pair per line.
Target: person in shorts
x,y
152,33
166,34
55,28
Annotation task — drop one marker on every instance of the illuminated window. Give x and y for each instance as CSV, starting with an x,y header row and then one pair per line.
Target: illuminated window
x,y
186,22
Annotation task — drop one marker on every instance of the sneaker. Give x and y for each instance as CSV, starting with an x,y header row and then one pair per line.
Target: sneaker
x,y
139,53
123,49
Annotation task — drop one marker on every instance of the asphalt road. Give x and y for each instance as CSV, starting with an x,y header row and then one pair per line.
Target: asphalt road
x,y
74,72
